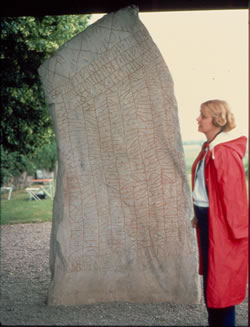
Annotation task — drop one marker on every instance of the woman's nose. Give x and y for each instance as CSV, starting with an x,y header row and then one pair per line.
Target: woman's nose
x,y
198,118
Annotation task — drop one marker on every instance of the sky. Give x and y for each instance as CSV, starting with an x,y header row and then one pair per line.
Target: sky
x,y
207,55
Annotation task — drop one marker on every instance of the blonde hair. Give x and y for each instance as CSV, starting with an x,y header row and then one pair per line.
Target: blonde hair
x,y
221,114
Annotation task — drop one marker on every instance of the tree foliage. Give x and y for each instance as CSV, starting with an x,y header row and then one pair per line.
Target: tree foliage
x,y
14,164
46,156
25,43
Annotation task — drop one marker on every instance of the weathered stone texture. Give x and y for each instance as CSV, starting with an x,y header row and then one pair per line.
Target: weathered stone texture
x,y
121,222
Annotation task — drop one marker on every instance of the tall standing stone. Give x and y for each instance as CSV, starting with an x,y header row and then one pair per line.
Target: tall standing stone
x,y
121,220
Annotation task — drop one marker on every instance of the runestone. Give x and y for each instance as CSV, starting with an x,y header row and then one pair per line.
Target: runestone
x,y
121,226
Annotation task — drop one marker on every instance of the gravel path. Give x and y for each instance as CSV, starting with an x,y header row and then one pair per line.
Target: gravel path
x,y
24,283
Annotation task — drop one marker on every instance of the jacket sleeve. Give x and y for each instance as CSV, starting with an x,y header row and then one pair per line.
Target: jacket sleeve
x,y
230,181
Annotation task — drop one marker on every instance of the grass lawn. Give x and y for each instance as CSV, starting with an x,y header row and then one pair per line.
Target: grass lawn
x,y
20,209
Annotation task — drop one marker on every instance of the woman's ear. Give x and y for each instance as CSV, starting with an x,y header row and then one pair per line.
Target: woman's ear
x,y
221,121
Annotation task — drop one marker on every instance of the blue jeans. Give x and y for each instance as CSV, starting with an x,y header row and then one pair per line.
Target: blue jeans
x,y
221,317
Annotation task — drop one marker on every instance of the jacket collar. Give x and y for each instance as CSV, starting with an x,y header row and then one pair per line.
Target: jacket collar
x,y
225,137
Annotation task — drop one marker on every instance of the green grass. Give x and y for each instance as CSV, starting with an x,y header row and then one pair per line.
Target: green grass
x,y
22,210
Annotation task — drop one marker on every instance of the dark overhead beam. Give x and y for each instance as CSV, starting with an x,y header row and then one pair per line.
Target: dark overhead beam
x,y
63,7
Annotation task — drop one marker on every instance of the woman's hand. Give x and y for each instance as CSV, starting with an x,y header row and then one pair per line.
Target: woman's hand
x,y
194,222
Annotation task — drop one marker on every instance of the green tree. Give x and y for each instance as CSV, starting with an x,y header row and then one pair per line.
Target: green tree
x,y
14,164
46,156
25,43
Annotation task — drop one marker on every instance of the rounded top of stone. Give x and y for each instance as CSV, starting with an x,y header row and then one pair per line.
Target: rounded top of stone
x,y
85,47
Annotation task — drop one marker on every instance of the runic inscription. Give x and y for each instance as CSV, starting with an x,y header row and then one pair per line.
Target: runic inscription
x,y
122,204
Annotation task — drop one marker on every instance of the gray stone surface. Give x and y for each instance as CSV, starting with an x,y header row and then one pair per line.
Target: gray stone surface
x,y
121,223
25,278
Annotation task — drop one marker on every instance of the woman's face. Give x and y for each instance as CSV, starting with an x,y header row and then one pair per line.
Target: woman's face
x,y
204,120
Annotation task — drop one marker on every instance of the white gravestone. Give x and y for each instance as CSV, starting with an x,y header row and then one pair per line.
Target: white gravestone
x,y
121,221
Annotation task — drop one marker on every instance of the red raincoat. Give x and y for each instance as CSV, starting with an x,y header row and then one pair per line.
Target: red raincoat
x,y
228,221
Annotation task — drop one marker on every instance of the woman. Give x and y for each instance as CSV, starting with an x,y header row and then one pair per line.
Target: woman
x,y
221,213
